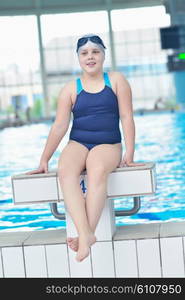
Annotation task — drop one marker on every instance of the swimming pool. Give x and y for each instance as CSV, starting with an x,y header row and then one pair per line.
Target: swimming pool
x,y
160,137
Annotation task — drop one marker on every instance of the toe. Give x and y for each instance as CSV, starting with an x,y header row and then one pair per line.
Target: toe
x,y
69,239
81,256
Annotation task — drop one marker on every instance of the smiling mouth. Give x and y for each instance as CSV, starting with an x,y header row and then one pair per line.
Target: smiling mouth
x,y
91,64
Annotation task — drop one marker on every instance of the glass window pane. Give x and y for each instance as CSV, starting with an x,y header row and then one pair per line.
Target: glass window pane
x,y
138,52
19,65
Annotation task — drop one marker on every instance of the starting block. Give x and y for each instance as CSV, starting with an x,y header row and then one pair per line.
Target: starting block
x,y
122,182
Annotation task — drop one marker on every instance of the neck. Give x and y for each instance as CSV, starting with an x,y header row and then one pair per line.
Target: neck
x,y
93,77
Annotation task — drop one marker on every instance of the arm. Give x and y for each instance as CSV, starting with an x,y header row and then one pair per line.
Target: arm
x,y
58,129
124,95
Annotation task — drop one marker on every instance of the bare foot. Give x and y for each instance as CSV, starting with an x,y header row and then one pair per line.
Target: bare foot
x,y
73,243
85,242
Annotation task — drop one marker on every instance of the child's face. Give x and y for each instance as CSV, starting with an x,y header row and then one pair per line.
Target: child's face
x,y
91,57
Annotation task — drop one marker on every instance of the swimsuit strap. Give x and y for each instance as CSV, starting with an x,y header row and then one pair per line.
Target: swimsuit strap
x,y
107,80
79,87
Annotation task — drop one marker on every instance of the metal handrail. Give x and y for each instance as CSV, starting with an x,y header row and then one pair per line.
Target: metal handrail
x,y
132,211
55,212
118,213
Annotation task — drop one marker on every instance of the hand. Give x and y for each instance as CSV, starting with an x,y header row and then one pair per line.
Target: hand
x,y
43,168
128,162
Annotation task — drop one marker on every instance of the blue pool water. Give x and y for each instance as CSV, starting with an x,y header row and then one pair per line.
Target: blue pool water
x,y
160,137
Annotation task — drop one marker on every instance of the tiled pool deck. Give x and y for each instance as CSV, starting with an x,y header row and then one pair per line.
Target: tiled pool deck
x,y
144,250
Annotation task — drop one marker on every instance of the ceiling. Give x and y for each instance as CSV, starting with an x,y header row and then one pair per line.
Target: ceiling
x,y
29,7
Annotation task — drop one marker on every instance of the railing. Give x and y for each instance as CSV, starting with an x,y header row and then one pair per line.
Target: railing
x,y
118,213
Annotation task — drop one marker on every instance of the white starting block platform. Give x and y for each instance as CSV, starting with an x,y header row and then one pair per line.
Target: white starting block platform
x,y
122,182
45,187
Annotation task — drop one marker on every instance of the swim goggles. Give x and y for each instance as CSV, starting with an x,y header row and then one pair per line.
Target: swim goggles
x,y
94,38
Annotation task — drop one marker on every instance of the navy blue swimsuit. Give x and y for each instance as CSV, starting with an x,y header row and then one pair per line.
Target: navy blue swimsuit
x,y
96,117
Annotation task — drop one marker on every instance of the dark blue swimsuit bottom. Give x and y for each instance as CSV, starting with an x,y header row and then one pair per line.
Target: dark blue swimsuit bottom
x,y
90,146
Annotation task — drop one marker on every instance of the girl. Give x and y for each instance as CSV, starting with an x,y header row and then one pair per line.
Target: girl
x,y
98,101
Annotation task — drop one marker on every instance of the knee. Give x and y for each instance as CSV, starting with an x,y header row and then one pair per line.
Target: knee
x,y
67,172
64,172
97,173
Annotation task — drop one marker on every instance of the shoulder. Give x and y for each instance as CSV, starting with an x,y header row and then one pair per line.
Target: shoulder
x,y
67,94
68,88
119,81
117,77
68,91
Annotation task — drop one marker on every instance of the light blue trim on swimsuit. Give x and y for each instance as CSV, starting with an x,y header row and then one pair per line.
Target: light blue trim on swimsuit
x,y
79,83
79,86
107,80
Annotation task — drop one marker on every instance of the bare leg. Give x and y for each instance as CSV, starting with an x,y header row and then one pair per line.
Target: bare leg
x,y
69,172
99,166
76,208
96,197
101,161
